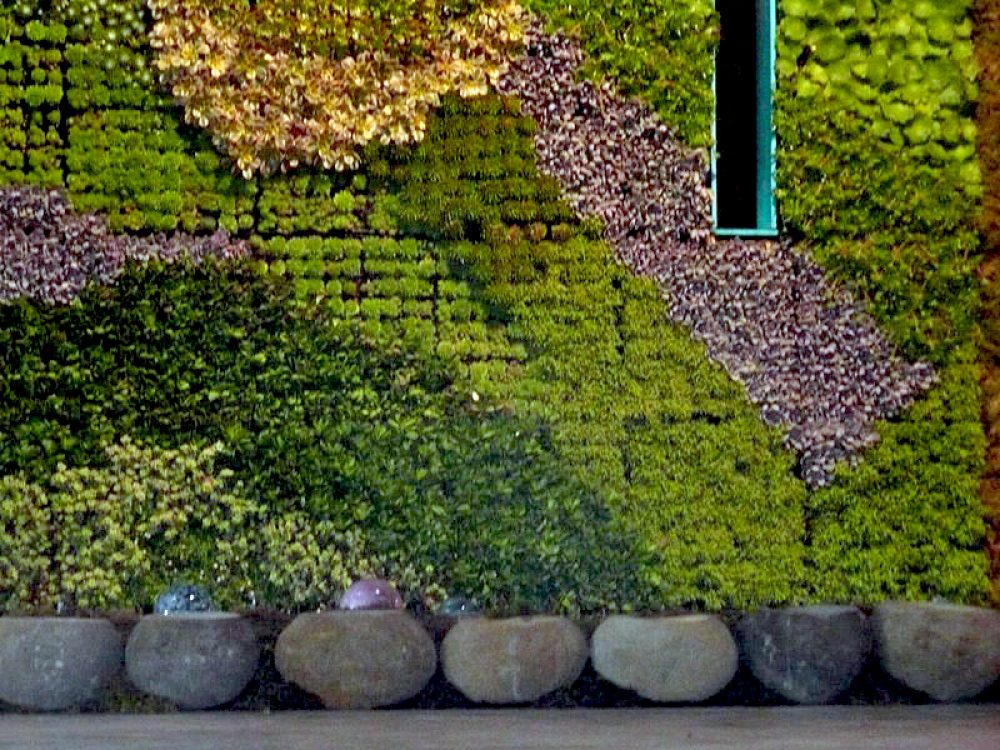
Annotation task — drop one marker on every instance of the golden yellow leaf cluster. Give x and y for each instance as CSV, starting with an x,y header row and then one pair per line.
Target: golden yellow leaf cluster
x,y
291,82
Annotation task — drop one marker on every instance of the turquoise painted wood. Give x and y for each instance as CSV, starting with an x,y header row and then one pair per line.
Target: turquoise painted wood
x,y
767,213
767,210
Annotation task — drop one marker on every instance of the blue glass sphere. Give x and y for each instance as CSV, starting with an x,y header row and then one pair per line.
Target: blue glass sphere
x,y
184,597
458,606
371,593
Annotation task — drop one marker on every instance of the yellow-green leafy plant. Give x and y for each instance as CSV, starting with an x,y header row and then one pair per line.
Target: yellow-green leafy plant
x,y
111,536
308,563
286,82
24,543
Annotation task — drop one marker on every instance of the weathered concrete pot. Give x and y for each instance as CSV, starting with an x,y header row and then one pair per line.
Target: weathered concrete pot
x,y
194,659
808,654
358,658
51,663
516,660
947,651
687,658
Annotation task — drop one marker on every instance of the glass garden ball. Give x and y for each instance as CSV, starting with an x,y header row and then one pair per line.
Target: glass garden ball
x,y
458,606
371,593
184,598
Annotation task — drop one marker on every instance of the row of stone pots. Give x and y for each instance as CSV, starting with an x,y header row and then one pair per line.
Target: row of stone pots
x,y
371,658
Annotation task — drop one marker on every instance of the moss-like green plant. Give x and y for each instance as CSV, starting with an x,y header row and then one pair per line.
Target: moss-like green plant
x,y
661,50
905,69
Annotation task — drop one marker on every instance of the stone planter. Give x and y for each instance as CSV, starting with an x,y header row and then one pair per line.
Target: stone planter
x,y
947,651
808,654
194,659
357,659
51,663
515,660
687,658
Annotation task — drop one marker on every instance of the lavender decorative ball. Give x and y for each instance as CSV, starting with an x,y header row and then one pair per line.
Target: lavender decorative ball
x,y
371,593
184,598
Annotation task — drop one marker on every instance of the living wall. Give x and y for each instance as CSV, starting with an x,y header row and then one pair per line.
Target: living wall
x,y
444,376
878,178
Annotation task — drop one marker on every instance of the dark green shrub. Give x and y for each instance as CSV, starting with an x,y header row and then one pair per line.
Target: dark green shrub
x,y
378,451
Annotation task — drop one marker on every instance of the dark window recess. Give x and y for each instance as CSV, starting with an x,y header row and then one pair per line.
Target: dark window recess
x,y
736,87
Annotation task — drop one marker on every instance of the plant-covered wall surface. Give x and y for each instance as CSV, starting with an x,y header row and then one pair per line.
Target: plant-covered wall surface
x,y
431,368
878,177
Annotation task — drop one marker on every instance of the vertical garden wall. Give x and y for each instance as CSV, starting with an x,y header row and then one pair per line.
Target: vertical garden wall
x,y
878,178
493,326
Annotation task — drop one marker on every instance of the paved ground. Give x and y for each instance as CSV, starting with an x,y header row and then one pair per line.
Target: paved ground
x,y
823,728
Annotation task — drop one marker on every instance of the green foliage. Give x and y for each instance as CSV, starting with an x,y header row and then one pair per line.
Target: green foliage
x,y
634,474
904,69
884,209
391,463
127,153
877,176
639,411
894,226
136,168
119,534
907,522
313,203
31,92
25,554
473,175
662,51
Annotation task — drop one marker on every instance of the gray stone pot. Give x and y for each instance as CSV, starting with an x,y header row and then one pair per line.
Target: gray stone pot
x,y
687,658
51,663
808,654
357,658
947,651
516,660
194,659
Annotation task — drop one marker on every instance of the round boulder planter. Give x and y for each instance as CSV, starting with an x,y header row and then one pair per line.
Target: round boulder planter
x,y
194,659
947,651
687,658
357,659
515,660
52,663
808,654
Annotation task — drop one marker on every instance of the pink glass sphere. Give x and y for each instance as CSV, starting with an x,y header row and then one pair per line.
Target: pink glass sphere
x,y
371,593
